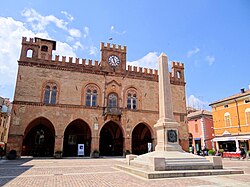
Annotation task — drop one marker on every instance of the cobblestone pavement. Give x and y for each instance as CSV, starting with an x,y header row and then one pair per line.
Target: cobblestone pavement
x,y
101,172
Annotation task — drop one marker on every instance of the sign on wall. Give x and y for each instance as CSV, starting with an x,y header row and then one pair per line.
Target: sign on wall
x,y
80,151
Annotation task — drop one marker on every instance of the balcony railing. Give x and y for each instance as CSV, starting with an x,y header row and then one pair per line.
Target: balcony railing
x,y
116,111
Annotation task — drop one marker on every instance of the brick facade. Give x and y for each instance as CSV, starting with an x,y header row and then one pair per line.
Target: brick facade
x,y
72,80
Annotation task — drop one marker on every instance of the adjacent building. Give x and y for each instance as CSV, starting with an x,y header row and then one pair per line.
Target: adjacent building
x,y
61,103
5,108
201,132
231,117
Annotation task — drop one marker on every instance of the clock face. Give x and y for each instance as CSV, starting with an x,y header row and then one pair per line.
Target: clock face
x,y
114,60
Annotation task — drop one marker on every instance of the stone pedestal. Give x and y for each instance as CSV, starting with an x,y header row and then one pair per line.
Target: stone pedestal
x,y
167,136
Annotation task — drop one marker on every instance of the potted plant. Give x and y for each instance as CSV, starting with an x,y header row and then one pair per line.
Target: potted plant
x,y
211,152
11,155
96,154
58,154
248,152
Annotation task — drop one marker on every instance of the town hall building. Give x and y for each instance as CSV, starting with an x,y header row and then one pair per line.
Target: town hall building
x,y
103,105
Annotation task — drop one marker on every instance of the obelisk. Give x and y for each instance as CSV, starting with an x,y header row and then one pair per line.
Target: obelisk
x,y
166,127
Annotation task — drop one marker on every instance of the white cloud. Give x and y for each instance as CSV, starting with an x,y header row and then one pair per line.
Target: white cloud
x,y
193,52
86,32
75,33
78,45
69,16
64,49
11,32
196,103
39,22
150,60
210,60
93,50
112,29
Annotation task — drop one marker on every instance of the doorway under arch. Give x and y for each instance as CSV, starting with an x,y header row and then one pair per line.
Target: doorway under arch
x,y
39,138
141,136
111,140
77,132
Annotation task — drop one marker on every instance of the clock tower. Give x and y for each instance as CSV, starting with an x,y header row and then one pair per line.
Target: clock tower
x,y
113,58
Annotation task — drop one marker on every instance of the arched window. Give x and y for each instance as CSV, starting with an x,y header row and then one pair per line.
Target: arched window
x,y
91,96
227,119
44,48
50,93
178,74
53,95
247,112
131,101
29,53
112,100
47,95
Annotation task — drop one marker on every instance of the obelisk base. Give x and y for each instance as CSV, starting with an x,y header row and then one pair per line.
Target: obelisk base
x,y
167,135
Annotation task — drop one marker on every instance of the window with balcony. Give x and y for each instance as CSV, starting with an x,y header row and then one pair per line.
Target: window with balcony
x,y
112,100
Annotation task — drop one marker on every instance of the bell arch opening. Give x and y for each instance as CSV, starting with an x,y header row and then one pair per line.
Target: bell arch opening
x,y
39,138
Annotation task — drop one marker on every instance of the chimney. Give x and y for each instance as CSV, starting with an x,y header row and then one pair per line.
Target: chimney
x,y
242,90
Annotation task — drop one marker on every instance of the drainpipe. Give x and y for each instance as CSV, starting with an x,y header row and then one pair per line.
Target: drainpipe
x,y
238,117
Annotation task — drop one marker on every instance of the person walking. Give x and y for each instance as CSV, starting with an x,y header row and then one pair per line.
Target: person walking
x,y
242,153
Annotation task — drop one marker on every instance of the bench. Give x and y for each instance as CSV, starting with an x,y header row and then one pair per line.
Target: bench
x,y
231,155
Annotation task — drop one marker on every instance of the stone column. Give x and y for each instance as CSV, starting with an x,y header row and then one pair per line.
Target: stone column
x,y
166,127
58,143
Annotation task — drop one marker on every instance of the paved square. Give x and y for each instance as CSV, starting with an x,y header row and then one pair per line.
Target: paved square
x,y
101,172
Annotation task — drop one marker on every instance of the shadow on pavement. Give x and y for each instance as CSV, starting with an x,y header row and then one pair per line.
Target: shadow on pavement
x,y
10,169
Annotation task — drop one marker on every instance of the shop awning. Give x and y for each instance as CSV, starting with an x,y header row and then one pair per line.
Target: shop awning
x,y
231,138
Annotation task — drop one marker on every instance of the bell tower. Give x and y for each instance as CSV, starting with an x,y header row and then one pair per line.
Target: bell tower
x,y
113,58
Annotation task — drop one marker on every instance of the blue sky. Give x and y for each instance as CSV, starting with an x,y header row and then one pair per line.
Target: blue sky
x,y
211,38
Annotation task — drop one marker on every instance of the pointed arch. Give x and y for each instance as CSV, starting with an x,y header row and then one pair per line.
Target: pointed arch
x,y
39,138
111,139
141,136
77,132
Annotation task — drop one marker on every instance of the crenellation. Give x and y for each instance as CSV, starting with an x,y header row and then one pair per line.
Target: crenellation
x,y
177,64
24,39
145,70
57,58
63,59
135,68
150,71
30,41
77,60
129,68
96,63
83,61
155,72
113,47
140,69
90,62
70,60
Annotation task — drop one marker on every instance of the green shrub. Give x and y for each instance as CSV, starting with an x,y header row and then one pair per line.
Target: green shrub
x,y
211,152
221,150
